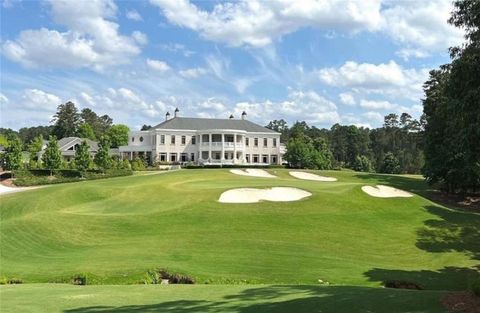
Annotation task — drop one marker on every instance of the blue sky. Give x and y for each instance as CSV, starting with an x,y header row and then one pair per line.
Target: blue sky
x,y
325,62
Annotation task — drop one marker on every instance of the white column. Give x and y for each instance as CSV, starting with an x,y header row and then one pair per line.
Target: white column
x,y
200,144
209,147
223,148
234,148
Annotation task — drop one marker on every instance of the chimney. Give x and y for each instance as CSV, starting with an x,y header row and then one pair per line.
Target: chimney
x,y
167,116
231,117
175,114
244,115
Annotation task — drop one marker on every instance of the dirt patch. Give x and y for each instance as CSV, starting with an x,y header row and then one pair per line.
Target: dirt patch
x,y
465,302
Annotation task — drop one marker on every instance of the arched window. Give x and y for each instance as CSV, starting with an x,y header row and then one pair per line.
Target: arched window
x,y
141,139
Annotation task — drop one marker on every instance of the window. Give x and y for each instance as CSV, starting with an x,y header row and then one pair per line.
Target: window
x,y
183,157
246,141
163,157
274,159
173,157
265,158
192,156
247,158
184,140
204,155
255,142
162,139
255,158
194,140
141,139
172,139
275,143
133,139
265,142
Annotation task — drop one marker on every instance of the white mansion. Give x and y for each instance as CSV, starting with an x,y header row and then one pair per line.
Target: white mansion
x,y
206,141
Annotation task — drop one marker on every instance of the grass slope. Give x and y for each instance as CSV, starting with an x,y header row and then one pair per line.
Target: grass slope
x,y
117,229
54,298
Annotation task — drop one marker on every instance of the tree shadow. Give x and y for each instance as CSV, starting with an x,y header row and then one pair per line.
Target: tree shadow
x,y
414,185
294,299
448,231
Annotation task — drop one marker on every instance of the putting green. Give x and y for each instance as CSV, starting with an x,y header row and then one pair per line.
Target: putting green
x,y
116,229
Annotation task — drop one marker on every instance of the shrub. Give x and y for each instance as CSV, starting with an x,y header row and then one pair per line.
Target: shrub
x,y
14,281
362,164
155,277
79,279
475,287
138,164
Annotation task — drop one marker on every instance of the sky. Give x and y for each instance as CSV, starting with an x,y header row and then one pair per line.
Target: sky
x,y
323,62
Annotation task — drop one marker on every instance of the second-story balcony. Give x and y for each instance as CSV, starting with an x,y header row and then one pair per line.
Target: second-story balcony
x,y
226,145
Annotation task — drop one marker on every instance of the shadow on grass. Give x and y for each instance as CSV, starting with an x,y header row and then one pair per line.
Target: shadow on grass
x,y
448,231
414,185
296,299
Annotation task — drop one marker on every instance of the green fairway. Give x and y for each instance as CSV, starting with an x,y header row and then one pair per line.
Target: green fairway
x,y
115,230
214,298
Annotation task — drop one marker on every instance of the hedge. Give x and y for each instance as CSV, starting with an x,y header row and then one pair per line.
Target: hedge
x,y
42,177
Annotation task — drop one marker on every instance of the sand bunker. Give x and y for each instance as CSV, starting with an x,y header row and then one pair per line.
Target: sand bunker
x,y
310,176
253,172
253,195
6,190
381,191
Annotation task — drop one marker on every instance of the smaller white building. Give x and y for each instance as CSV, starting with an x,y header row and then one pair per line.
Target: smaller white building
x,y
69,145
206,141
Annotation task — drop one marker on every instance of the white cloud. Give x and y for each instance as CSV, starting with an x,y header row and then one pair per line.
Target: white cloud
x,y
377,105
140,37
39,100
91,39
373,117
384,78
259,23
421,28
320,110
3,99
158,65
347,98
134,15
193,72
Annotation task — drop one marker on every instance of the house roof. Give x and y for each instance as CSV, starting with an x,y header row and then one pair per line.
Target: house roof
x,y
189,123
67,142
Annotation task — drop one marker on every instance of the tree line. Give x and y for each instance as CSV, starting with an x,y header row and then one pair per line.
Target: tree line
x,y
68,121
396,147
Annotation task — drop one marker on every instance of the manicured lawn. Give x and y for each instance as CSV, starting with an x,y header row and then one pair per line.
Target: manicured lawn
x,y
55,298
115,230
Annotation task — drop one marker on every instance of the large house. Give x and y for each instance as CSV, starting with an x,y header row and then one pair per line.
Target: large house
x,y
206,141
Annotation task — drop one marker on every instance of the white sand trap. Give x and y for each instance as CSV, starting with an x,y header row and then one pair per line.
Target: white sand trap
x,y
255,172
381,191
253,195
310,176
6,190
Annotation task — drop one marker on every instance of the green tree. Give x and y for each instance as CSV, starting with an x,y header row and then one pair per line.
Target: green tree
x,y
118,135
35,147
52,157
362,164
13,154
452,109
102,159
390,164
99,124
66,120
86,131
83,159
